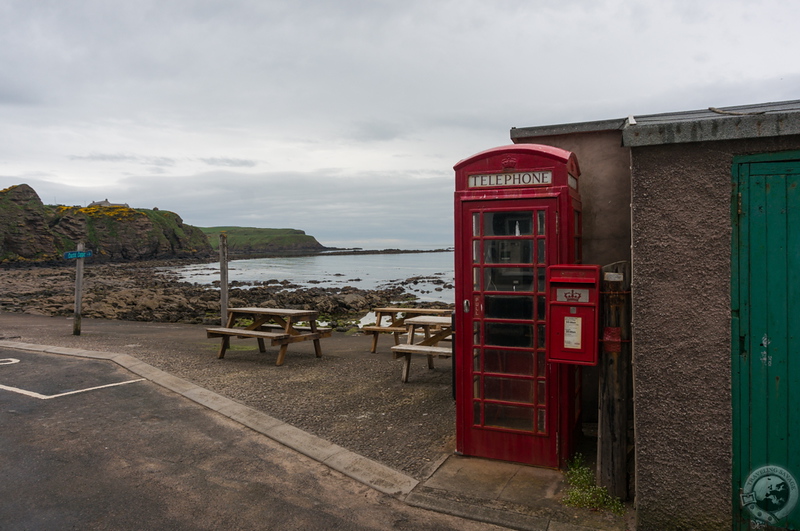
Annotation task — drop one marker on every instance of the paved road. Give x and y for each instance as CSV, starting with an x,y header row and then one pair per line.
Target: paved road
x,y
85,444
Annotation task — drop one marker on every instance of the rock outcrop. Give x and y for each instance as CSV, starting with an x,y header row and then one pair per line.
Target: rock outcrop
x,y
24,226
32,231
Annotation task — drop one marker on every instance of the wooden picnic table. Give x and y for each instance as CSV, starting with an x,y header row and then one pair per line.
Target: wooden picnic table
x,y
436,329
392,320
278,325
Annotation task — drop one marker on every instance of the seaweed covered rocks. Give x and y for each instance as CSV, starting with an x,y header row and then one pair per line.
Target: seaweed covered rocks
x,y
145,291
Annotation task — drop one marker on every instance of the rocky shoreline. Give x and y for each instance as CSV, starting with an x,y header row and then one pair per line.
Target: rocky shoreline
x,y
146,291
330,251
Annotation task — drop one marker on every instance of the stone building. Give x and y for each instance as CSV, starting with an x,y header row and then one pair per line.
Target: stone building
x,y
706,206
106,203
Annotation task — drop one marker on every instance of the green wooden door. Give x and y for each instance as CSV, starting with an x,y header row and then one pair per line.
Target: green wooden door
x,y
765,302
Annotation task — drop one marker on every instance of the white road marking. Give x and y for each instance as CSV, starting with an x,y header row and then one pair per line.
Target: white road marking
x,y
8,361
48,397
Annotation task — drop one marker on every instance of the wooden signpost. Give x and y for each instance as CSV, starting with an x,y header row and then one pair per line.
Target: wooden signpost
x,y
614,381
223,278
78,256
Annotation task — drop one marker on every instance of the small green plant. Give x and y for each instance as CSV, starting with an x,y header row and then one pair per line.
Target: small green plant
x,y
583,492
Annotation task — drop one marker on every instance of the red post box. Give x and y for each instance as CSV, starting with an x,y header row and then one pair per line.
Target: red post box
x,y
572,313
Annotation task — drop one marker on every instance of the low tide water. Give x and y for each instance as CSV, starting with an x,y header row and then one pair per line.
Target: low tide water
x,y
363,271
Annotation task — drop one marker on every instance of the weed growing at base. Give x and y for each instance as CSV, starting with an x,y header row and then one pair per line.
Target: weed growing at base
x,y
583,492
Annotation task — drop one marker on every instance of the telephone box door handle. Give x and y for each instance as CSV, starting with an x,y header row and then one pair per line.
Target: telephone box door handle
x,y
466,305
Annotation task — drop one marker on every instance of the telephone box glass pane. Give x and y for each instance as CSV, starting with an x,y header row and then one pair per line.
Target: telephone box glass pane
x,y
509,335
509,278
476,224
508,307
507,223
508,362
540,222
508,252
540,252
508,390
476,360
476,413
541,425
511,417
541,393
476,252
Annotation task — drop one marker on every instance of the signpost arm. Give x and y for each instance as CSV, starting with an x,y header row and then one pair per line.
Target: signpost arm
x,y
76,323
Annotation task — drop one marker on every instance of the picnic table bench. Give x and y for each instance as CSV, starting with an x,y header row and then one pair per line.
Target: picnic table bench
x,y
436,329
278,325
395,321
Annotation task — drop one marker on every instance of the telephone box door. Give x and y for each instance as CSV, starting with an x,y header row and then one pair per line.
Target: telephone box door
x,y
510,404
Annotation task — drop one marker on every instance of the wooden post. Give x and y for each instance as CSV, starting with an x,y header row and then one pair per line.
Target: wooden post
x,y
76,323
614,376
223,278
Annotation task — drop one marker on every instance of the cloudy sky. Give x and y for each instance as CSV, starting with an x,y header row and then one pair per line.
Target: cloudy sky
x,y
344,118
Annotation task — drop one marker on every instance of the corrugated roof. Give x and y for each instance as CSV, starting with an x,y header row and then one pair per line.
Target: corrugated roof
x,y
713,112
727,123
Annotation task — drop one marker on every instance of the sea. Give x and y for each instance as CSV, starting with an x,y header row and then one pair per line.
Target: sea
x,y
434,271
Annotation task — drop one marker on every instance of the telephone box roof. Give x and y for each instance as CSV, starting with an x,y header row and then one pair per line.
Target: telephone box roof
x,y
554,153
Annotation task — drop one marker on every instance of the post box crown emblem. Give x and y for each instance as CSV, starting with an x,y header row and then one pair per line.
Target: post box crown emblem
x,y
572,296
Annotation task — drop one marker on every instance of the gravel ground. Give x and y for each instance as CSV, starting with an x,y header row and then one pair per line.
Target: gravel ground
x,y
350,396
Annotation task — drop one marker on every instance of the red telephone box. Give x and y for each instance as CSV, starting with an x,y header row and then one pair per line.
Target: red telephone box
x,y
517,210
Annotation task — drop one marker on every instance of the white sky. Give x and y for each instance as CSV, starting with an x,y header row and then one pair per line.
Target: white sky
x,y
344,118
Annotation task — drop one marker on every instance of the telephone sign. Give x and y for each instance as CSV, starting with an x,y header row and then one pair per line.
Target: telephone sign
x,y
528,178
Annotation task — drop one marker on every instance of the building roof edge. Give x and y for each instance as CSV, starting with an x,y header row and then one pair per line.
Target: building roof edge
x,y
723,127
565,129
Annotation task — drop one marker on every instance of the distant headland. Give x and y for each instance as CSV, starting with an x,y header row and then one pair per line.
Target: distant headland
x,y
34,233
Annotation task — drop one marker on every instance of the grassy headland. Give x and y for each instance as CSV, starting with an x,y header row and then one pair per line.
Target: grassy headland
x,y
255,241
